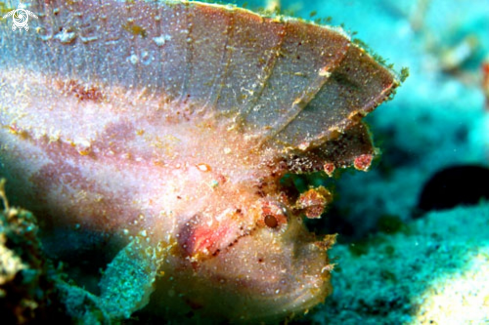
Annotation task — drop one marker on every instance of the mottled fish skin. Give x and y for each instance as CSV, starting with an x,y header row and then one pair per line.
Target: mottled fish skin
x,y
177,119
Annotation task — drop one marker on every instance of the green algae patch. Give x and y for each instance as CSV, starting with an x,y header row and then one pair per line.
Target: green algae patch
x,y
359,248
390,224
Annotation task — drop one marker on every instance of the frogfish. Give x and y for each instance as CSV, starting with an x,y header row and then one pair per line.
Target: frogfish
x,y
170,125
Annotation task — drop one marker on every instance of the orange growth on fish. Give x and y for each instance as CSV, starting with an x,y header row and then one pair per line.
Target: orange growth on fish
x,y
173,122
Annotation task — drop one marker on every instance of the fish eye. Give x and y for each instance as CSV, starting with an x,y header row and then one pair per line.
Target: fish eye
x,y
271,221
273,215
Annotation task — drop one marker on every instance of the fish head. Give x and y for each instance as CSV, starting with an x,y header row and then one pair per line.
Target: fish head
x,y
259,262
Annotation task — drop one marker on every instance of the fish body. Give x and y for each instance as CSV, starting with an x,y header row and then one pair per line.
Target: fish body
x,y
174,121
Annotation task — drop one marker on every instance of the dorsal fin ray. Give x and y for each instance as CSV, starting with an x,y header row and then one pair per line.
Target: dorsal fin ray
x,y
253,48
208,47
355,88
308,55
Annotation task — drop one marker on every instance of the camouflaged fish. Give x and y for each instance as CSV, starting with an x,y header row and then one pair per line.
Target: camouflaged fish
x,y
171,123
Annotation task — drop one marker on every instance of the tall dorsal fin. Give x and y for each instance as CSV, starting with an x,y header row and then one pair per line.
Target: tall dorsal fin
x,y
283,82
